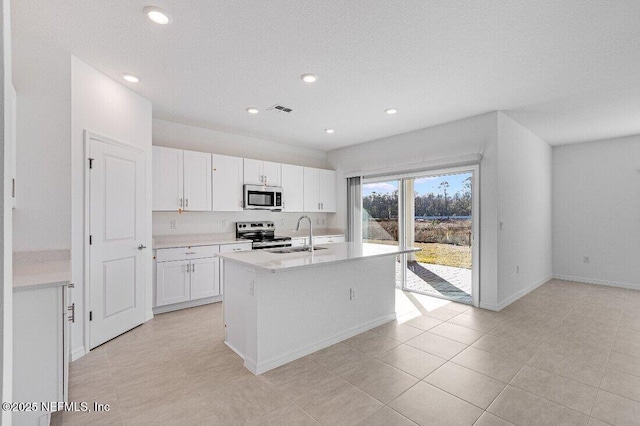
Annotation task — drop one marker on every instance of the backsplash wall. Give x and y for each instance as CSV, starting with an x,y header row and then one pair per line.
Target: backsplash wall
x,y
212,222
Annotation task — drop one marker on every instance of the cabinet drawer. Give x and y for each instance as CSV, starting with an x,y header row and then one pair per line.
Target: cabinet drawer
x,y
226,248
181,253
329,239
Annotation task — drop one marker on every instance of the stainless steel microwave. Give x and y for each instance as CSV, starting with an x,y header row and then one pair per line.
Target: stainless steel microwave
x,y
259,197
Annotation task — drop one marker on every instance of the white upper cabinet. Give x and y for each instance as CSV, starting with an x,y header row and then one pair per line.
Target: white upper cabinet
x,y
258,172
327,190
319,190
181,180
227,183
197,181
272,173
167,179
311,189
292,188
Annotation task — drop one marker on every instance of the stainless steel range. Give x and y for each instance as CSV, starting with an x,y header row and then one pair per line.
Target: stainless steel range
x,y
262,234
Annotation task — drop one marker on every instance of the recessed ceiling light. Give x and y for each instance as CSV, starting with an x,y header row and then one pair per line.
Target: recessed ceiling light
x,y
329,131
157,15
309,78
130,78
390,111
253,110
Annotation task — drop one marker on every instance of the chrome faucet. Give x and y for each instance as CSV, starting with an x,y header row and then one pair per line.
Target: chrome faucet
x,y
310,245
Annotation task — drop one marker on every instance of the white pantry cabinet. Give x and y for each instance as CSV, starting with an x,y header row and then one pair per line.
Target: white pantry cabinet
x,y
293,188
319,190
258,172
181,180
228,178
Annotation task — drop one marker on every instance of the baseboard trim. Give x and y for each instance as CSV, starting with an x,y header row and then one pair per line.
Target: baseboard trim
x,y
263,367
78,353
184,305
597,282
523,292
500,306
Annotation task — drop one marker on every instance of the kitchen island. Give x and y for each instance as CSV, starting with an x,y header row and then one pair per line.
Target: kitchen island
x,y
279,307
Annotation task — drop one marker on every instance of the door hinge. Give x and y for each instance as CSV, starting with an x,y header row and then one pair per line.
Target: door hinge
x,y
91,163
90,239
90,315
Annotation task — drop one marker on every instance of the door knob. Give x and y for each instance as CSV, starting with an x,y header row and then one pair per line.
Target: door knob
x,y
141,247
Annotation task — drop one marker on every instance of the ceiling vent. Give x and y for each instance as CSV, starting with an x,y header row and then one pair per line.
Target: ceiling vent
x,y
279,108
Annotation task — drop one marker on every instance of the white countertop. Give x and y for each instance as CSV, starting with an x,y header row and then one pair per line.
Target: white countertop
x,y
32,276
194,240
334,253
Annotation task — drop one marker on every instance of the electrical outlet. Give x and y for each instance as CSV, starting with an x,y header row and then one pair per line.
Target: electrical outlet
x,y
224,224
352,294
317,221
501,226
282,222
252,288
585,259
322,220
517,269
172,224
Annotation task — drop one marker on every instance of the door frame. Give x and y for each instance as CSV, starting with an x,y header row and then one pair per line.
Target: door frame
x,y
474,169
88,137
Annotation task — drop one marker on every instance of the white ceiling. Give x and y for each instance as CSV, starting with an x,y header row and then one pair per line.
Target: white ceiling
x,y
568,70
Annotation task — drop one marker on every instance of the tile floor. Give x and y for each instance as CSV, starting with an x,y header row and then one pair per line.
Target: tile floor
x,y
566,354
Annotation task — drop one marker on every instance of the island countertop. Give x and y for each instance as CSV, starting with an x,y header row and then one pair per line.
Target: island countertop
x,y
330,253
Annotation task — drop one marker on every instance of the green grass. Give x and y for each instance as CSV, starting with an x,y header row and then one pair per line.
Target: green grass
x,y
439,254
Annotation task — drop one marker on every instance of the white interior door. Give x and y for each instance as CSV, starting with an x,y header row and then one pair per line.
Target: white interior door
x,y
117,228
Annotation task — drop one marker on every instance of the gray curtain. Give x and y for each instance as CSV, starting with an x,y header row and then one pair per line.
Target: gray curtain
x,y
354,209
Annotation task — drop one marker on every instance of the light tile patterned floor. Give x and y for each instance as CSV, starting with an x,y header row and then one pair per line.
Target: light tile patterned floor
x,y
565,354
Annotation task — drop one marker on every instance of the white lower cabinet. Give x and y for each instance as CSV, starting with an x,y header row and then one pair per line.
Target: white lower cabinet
x,y
205,278
190,278
40,351
173,282
184,274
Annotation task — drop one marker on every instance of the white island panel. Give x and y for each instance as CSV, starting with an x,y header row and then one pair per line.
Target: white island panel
x,y
272,319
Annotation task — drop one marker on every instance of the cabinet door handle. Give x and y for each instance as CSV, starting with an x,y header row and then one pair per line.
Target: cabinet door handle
x,y
180,203
190,252
188,269
193,267
72,316
186,202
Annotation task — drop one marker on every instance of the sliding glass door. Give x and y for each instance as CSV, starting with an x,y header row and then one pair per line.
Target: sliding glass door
x,y
435,212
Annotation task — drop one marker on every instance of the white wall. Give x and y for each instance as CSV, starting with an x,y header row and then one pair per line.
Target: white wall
x,y
596,205
175,135
524,210
6,271
42,219
105,107
475,135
